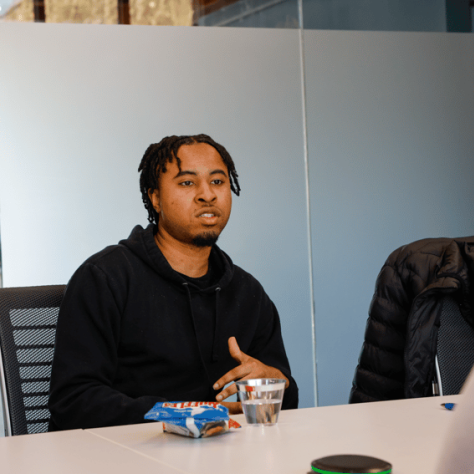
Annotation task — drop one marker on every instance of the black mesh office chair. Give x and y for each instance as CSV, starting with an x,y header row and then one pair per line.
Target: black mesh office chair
x,y
422,310
455,349
28,318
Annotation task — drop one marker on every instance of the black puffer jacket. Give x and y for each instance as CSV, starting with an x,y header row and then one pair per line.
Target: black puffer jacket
x,y
397,357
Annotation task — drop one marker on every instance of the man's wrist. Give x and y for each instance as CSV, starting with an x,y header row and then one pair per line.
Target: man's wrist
x,y
280,375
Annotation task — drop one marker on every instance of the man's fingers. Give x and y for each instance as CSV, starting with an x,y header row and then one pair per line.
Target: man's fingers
x,y
234,350
230,390
248,368
234,407
234,374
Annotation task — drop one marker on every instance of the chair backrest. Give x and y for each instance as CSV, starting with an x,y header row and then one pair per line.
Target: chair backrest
x,y
455,348
28,318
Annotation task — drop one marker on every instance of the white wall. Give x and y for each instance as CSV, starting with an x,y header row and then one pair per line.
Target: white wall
x,y
80,105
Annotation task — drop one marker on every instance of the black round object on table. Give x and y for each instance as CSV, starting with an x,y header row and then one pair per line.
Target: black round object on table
x,y
350,463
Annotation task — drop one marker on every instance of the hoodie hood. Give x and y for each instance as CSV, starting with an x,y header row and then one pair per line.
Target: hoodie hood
x,y
141,242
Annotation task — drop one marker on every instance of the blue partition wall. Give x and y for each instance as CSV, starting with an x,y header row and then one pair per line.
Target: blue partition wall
x,y
391,160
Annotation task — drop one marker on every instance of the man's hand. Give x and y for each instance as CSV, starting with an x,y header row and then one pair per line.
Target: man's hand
x,y
235,408
249,368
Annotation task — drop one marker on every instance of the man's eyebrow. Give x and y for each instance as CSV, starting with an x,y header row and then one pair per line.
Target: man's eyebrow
x,y
193,173
184,173
218,171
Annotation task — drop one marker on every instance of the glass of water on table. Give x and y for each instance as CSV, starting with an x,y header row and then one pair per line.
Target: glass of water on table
x,y
261,399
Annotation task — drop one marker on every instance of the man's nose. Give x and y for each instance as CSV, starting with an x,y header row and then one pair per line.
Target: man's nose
x,y
206,193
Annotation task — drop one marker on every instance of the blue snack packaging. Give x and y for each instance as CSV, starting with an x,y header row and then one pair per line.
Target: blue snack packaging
x,y
192,419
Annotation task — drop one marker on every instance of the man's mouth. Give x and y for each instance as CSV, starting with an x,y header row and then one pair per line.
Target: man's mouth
x,y
208,213
208,218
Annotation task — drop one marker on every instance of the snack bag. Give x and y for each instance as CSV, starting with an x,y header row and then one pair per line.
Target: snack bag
x,y
193,419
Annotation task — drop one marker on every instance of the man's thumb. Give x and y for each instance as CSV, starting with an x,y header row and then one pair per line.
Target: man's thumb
x,y
234,349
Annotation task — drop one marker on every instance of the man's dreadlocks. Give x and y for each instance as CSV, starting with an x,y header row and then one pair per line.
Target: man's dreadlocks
x,y
158,155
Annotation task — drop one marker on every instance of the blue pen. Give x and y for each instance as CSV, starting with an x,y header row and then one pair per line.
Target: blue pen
x,y
448,406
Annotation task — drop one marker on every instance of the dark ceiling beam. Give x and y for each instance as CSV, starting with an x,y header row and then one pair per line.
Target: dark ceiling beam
x,y
38,9
123,12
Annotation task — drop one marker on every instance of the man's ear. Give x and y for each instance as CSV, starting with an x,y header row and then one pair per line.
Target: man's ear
x,y
154,195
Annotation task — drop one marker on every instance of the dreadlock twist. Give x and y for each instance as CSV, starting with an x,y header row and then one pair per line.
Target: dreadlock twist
x,y
158,155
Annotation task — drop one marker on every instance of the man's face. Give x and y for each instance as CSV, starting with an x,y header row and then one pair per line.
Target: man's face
x,y
194,204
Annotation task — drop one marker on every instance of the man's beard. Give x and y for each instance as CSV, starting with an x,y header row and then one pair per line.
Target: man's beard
x,y
206,239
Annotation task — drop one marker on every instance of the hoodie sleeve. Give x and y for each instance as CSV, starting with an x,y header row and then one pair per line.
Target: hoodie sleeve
x,y
268,347
86,358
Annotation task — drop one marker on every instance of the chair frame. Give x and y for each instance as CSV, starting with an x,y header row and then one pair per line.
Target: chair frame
x,y
440,385
38,295
438,378
5,403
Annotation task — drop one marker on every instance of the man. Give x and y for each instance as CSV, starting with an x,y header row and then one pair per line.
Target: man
x,y
165,314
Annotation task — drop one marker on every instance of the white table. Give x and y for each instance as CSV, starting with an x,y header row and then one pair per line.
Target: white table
x,y
407,433
72,452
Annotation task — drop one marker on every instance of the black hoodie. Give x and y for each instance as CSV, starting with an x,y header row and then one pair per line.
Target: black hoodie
x,y
132,332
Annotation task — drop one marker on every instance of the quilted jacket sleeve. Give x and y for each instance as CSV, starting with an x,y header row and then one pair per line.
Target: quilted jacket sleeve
x,y
380,372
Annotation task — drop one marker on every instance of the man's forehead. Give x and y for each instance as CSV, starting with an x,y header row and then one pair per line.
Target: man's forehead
x,y
199,158
197,149
206,160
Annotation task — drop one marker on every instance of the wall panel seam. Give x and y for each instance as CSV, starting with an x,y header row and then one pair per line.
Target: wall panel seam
x,y
308,208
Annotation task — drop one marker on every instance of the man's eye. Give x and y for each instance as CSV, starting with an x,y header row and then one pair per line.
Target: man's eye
x,y
217,181
186,183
